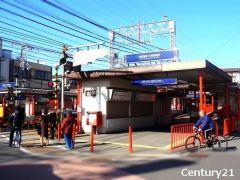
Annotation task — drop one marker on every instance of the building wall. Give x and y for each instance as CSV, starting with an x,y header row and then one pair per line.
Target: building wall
x,y
117,114
5,56
37,77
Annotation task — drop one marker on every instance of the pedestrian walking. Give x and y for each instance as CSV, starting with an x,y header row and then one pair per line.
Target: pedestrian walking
x,y
52,121
44,122
67,128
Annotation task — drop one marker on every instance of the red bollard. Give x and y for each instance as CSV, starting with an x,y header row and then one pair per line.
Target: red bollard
x,y
130,139
59,132
92,139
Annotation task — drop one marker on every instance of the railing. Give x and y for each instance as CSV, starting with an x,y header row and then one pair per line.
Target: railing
x,y
179,134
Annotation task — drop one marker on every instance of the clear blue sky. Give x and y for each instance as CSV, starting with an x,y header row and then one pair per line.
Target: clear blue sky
x,y
208,29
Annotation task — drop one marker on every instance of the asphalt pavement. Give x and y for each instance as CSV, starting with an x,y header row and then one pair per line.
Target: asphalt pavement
x,y
55,162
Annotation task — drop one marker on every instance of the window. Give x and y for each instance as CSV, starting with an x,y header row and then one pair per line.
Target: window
x,y
42,75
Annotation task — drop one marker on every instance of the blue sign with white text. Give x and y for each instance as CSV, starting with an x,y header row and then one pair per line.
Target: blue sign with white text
x,y
160,55
152,82
5,85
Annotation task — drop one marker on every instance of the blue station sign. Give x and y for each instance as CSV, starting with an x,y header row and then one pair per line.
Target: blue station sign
x,y
160,55
155,82
5,85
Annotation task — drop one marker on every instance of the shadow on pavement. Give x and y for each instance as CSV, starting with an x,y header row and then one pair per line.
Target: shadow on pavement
x,y
23,171
156,166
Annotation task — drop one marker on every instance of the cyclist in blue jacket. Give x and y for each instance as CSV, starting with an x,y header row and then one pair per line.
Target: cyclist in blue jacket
x,y
207,124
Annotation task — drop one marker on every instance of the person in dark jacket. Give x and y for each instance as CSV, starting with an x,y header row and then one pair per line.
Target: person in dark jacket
x,y
44,127
15,120
67,128
52,121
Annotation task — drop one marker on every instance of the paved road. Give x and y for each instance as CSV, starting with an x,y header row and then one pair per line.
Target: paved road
x,y
73,165
15,164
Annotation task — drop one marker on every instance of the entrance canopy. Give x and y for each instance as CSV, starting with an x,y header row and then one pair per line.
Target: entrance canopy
x,y
186,73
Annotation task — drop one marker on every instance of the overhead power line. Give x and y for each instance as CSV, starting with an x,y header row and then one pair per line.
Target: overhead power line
x,y
97,24
19,15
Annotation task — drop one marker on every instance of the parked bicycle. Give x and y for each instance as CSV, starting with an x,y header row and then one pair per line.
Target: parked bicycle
x,y
194,142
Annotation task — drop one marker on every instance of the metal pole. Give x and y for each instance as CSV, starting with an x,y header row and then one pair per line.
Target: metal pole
x,y
227,99
62,95
79,104
16,102
213,102
56,89
204,100
238,103
200,76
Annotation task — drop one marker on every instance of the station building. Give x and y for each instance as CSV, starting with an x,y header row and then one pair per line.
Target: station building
x,y
140,96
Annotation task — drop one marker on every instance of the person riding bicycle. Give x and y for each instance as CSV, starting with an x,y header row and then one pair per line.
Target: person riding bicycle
x,y
207,124
16,120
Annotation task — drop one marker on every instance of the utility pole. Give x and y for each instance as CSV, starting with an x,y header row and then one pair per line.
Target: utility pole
x,y
62,62
111,49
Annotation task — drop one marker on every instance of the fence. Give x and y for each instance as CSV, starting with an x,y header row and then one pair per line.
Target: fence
x,y
179,134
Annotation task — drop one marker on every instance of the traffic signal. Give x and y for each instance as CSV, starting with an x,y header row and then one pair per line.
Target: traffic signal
x,y
11,96
69,67
63,60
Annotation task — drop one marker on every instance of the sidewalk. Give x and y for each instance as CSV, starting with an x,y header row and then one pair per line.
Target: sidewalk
x,y
150,144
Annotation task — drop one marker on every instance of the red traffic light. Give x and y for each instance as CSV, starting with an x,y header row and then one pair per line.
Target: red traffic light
x,y
50,84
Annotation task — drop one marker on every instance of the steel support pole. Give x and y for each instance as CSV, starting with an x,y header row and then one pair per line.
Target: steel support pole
x,y
62,95
200,78
204,100
227,99
33,106
213,102
79,104
238,94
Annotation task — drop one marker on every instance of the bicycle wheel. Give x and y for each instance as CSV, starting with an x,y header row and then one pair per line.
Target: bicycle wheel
x,y
192,143
220,143
16,139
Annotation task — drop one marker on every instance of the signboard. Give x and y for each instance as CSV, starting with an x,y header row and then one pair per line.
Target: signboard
x,y
152,82
191,94
20,98
5,85
88,56
160,55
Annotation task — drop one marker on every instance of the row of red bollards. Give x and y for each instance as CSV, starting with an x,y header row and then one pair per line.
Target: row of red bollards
x,y
130,139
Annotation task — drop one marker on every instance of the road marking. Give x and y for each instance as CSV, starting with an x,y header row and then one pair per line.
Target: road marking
x,y
134,145
167,147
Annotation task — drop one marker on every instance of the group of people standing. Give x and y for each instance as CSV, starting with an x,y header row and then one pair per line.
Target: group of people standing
x,y
49,119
